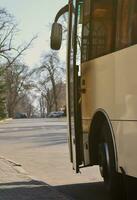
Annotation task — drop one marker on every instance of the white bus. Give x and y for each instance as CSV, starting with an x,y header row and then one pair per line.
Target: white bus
x,y
102,87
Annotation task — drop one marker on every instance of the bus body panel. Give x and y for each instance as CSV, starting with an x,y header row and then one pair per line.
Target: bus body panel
x,y
126,139
110,82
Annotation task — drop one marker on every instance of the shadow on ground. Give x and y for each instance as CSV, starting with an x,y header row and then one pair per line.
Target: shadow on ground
x,y
85,191
36,190
32,190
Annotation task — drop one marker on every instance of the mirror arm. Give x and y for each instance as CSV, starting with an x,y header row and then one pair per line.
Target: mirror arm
x,y
61,12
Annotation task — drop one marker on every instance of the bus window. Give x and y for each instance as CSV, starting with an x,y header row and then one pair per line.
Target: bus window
x,y
102,28
126,34
86,29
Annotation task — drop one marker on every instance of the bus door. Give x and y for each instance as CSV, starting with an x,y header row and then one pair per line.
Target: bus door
x,y
73,89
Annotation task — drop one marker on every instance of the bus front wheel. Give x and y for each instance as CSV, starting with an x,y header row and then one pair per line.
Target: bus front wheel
x,y
107,165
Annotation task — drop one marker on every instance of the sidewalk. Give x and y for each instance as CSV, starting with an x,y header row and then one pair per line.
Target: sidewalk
x,y
15,184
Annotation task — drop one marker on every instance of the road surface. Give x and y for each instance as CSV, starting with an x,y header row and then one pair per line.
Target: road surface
x,y
40,146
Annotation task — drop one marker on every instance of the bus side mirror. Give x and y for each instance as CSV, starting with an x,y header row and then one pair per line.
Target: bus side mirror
x,y
56,36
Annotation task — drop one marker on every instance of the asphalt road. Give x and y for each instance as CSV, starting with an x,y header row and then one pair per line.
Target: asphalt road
x,y
40,146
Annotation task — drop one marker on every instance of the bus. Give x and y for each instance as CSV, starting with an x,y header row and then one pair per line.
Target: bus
x,y
102,88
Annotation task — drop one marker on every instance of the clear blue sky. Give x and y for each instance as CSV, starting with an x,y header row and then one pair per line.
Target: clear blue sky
x,y
33,17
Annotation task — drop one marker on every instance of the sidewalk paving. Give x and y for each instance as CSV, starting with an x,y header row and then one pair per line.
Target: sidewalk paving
x,y
15,184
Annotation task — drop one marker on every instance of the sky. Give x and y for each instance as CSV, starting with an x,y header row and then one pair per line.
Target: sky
x,y
33,18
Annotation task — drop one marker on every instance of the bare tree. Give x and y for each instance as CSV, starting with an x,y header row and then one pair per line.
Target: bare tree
x,y
46,94
2,95
15,74
8,31
51,72
42,105
25,105
18,82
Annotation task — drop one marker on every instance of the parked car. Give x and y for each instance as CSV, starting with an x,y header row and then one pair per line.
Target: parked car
x,y
20,115
56,114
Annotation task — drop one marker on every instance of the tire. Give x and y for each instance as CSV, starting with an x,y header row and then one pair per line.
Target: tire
x,y
107,164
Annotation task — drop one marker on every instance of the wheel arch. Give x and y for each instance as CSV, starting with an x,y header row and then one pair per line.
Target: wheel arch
x,y
99,118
